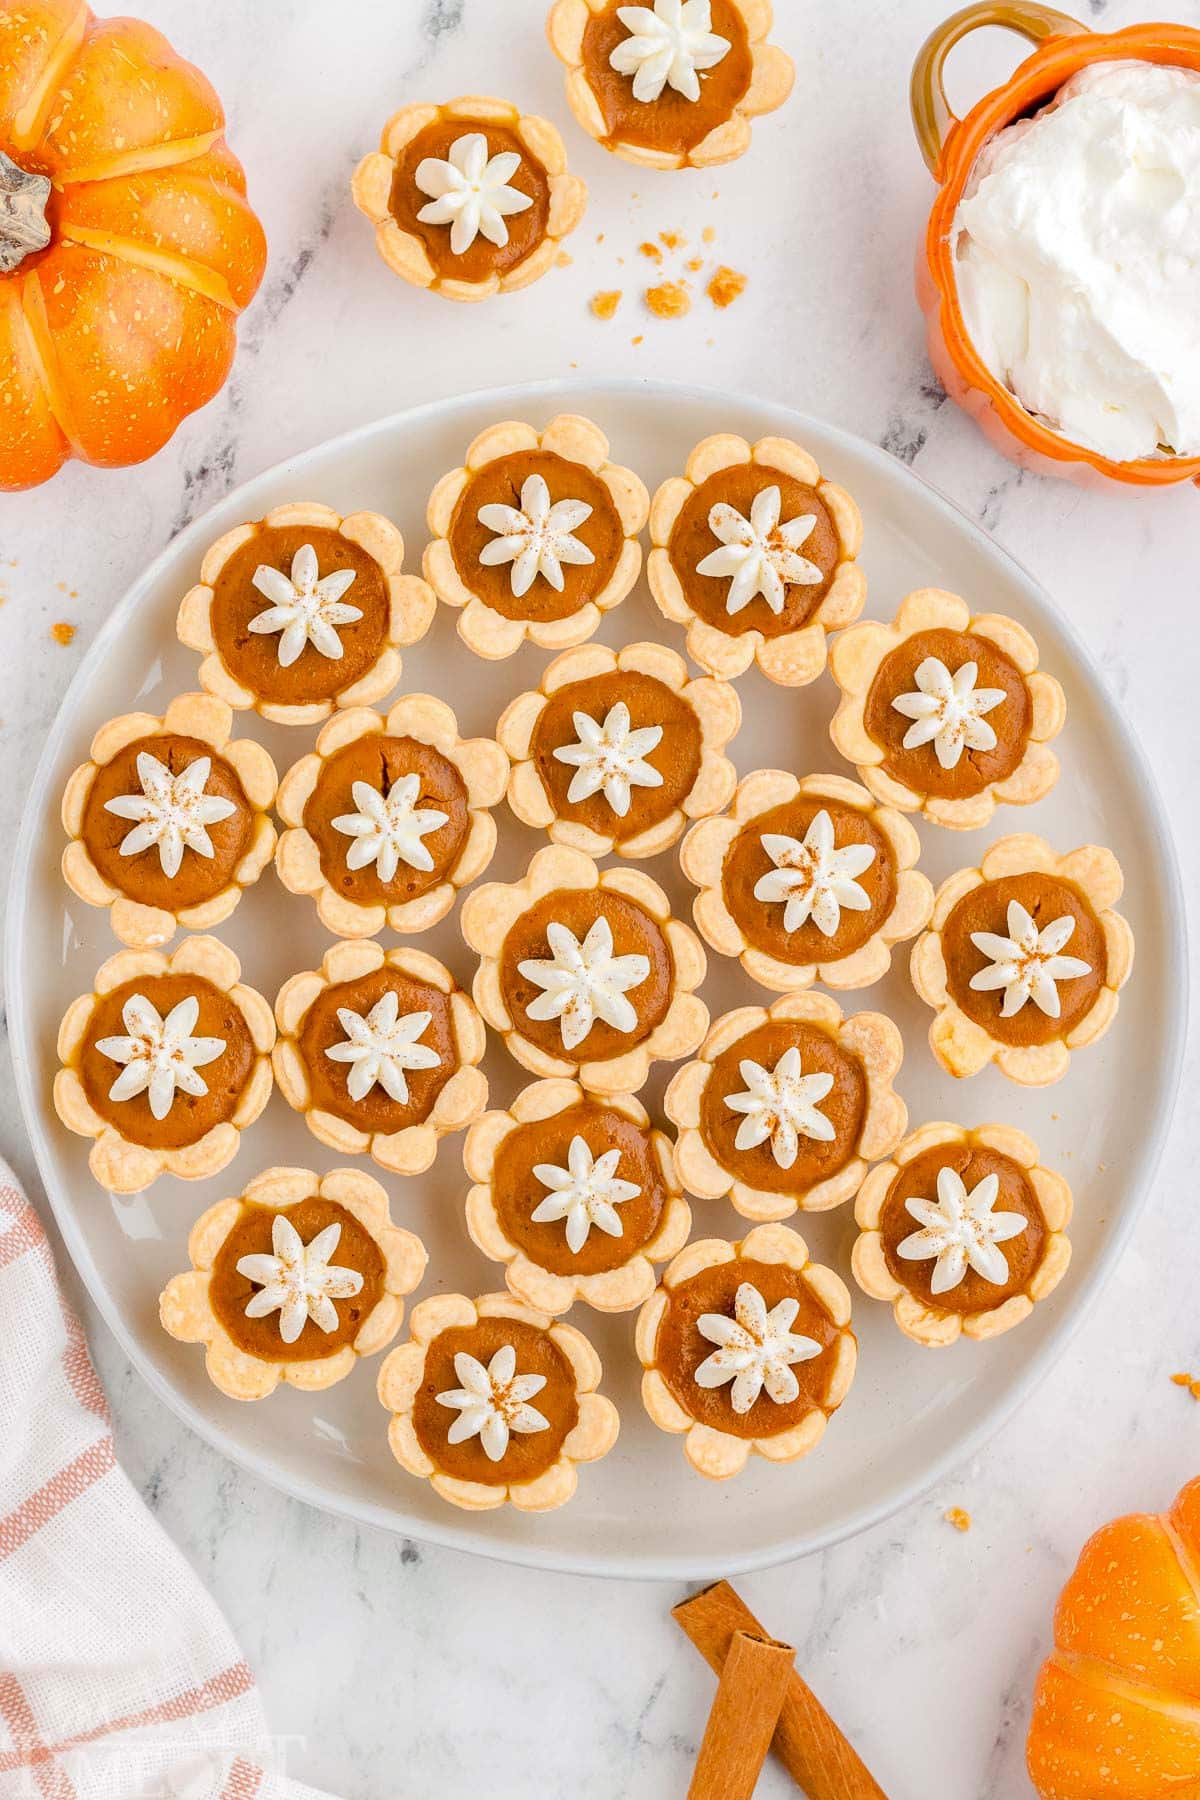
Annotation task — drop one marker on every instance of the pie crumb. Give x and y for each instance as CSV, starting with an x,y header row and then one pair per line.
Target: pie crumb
x,y
652,251
62,633
635,341
726,286
672,239
605,303
708,235
694,264
669,300
1189,1382
563,260
960,1520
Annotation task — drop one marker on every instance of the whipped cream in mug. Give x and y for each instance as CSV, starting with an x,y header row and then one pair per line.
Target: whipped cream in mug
x,y
1077,256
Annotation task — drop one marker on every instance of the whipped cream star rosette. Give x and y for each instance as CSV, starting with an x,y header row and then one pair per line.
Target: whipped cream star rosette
x,y
169,818
618,762
383,1062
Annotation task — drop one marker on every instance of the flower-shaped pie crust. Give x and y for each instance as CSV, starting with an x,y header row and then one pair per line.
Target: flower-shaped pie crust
x,y
445,1088
240,627
386,189
772,1177
145,903
729,860
694,721
671,1018
246,1355
1018,710
134,1145
1030,1046
502,602
821,589
538,1470
318,800
704,1280
675,129
1036,1256
504,1150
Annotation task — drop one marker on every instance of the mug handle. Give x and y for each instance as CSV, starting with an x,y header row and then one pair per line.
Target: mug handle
x,y
933,117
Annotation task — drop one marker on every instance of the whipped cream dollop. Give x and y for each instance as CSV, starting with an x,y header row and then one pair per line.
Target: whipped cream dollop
x,y
1077,257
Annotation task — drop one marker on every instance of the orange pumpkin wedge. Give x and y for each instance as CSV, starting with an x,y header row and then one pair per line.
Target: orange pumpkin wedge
x,y
1116,1712
127,246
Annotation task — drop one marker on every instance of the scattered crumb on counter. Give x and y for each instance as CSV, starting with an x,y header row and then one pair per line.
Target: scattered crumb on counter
x,y
599,237
635,341
1189,1382
563,260
708,235
726,286
694,264
605,303
62,633
673,240
669,300
652,251
957,1517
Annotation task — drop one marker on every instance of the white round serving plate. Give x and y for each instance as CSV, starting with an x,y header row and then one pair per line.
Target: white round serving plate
x,y
911,1414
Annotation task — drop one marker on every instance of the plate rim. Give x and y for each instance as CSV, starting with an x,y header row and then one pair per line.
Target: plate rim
x,y
452,1533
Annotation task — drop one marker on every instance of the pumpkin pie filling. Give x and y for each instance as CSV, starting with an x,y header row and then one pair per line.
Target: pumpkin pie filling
x,y
748,862
650,704
501,483
253,657
918,1180
329,1076
528,1454
1009,721
382,762
517,1190
672,122
634,933
843,1106
986,909
526,229
230,1291
141,875
681,1346
693,540
224,1076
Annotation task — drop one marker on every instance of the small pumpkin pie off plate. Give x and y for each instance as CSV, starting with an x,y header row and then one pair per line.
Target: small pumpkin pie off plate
x,y
910,1413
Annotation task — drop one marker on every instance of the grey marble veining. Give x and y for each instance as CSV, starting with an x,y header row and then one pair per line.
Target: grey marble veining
x,y
393,1669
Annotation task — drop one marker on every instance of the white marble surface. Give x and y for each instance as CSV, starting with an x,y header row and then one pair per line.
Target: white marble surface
x,y
397,1670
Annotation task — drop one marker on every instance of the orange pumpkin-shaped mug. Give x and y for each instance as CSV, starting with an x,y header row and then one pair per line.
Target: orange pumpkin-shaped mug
x,y
1116,1712
127,246
950,146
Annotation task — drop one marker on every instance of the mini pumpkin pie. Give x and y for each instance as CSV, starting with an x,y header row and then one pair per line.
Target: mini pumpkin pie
x,y
586,973
168,820
494,1401
304,611
754,551
807,880
535,535
746,1349
617,750
786,1105
293,1281
946,714
165,1063
1024,959
962,1231
576,1195
388,817
670,84
470,198
379,1051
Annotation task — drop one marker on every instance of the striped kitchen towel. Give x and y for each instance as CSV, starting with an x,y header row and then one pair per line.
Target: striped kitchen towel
x,y
119,1679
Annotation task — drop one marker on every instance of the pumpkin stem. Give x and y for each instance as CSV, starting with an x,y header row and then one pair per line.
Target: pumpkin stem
x,y
23,223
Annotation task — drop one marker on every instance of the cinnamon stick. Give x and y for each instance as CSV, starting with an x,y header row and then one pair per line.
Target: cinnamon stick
x,y
821,1761
743,1718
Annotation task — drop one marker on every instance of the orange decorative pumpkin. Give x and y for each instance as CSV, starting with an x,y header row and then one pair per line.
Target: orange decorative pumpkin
x,y
127,247
1116,1713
